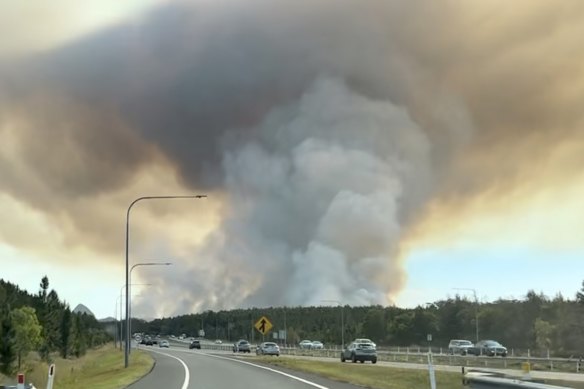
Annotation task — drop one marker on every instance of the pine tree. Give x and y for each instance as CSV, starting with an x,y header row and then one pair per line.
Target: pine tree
x,y
44,287
580,295
78,336
7,351
65,331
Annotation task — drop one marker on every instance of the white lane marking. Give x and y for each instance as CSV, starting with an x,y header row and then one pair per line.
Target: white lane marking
x,y
187,374
272,370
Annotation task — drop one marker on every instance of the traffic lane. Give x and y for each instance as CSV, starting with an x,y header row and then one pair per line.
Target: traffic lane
x,y
213,370
168,372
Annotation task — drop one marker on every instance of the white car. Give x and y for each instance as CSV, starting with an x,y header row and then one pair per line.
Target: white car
x,y
164,343
305,344
459,346
364,340
317,345
218,341
268,348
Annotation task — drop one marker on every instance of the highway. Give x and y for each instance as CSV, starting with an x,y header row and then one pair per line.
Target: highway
x,y
180,368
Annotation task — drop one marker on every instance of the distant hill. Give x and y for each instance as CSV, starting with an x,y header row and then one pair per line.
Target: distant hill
x,y
107,320
80,308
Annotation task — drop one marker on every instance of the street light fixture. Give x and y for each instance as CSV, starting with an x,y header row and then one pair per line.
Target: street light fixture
x,y
342,319
476,309
127,345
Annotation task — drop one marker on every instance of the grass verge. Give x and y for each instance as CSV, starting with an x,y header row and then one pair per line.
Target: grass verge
x,y
102,368
367,375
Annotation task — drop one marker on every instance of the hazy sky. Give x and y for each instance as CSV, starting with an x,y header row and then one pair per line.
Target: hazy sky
x,y
370,152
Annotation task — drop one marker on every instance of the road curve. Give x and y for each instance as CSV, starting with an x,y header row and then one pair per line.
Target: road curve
x,y
205,370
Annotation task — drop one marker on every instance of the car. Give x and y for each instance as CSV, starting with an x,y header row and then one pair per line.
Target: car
x,y
317,345
459,346
488,347
305,344
358,351
365,340
149,342
164,343
242,346
218,341
268,348
195,344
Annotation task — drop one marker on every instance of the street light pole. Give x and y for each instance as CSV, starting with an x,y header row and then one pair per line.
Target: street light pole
x,y
127,345
342,320
120,298
476,309
136,265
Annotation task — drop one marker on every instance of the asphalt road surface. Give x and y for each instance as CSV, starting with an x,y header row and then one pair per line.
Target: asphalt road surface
x,y
179,368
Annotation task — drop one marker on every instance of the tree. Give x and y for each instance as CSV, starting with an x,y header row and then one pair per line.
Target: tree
x,y
65,331
7,352
580,295
51,321
78,341
27,331
374,324
543,334
44,287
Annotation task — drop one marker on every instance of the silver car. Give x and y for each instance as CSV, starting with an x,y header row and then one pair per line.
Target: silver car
x,y
242,346
268,348
359,352
459,346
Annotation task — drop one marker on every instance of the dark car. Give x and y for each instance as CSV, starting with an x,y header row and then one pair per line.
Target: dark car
x,y
488,347
359,352
149,342
242,346
195,344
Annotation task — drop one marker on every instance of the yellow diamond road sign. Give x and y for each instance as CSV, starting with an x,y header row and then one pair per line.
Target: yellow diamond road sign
x,y
263,325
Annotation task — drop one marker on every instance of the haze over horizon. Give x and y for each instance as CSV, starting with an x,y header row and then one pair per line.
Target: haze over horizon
x,y
366,152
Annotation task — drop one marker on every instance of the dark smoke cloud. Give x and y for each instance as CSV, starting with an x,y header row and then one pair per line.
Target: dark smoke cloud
x,y
326,124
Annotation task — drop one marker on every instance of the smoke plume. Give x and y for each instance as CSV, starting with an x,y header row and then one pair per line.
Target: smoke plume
x,y
323,127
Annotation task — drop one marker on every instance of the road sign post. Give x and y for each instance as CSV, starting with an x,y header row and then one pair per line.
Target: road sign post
x,y
51,376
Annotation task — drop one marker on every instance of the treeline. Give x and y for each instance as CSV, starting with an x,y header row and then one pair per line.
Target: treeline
x,y
42,322
535,322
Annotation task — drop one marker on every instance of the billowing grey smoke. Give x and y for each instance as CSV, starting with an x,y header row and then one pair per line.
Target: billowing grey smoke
x,y
317,198
324,185
323,133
